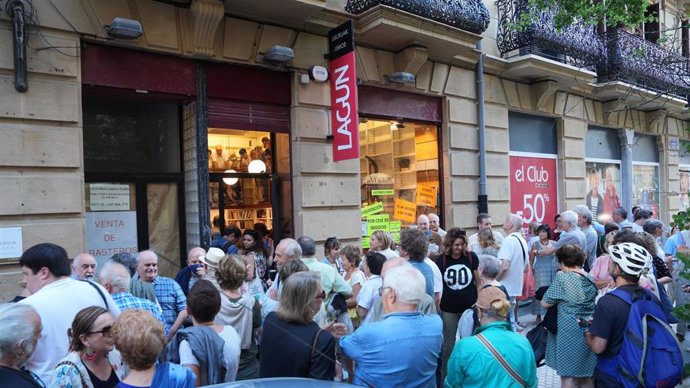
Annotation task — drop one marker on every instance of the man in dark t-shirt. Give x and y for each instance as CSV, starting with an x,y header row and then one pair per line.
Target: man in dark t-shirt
x,y
605,335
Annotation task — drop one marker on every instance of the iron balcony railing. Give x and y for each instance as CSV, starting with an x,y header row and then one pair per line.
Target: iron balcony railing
x,y
576,44
468,15
638,61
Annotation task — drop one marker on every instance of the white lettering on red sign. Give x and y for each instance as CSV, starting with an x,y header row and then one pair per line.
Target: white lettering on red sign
x,y
344,105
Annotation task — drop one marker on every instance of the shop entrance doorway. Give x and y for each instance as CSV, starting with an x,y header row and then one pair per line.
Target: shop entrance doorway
x,y
249,179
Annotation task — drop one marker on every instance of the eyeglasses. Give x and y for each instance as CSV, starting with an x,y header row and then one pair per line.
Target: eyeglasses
x,y
383,288
106,331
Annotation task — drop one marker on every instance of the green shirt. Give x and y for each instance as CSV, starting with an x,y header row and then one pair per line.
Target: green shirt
x,y
331,279
472,365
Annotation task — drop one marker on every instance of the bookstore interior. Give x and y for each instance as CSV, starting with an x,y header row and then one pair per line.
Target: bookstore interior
x,y
400,174
240,165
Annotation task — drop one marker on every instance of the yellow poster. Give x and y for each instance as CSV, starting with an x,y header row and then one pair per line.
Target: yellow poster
x,y
426,196
405,210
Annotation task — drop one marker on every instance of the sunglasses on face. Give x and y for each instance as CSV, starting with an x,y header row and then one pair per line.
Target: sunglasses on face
x,y
106,331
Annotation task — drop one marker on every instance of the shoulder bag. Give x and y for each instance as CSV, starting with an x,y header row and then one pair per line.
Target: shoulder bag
x,y
501,360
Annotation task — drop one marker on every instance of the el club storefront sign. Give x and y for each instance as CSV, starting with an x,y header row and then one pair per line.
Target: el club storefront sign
x,y
533,188
344,120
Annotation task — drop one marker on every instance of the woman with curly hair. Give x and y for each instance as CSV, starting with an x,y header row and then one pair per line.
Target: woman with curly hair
x,y
140,338
460,284
254,248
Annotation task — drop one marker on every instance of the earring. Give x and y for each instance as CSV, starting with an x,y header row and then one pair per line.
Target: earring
x,y
90,356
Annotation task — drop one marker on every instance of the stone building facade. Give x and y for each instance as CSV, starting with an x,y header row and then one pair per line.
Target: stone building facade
x,y
42,168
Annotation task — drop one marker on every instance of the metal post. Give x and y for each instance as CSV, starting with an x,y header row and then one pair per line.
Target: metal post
x,y
202,155
482,199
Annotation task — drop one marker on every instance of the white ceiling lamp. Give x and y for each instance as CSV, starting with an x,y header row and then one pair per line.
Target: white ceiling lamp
x,y
230,181
256,167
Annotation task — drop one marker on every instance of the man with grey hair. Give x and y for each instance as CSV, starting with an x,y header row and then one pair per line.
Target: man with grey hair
x,y
414,338
514,258
84,267
115,278
287,249
584,222
21,329
569,235
435,226
330,278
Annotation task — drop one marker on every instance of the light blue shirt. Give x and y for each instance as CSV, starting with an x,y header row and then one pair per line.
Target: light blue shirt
x,y
402,350
428,275
672,244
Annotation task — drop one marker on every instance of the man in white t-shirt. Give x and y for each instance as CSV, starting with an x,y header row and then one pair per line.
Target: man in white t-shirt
x,y
483,222
513,256
57,299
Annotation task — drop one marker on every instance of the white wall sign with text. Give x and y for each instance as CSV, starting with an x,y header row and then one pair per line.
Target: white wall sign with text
x,y
109,196
10,243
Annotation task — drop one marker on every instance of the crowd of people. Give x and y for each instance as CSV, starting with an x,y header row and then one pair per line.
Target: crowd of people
x,y
438,308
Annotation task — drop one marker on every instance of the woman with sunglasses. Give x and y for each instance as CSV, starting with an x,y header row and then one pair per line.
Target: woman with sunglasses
x,y
93,361
292,344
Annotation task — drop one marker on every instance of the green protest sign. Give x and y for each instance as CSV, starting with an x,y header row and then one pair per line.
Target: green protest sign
x,y
395,226
372,209
382,192
366,242
377,222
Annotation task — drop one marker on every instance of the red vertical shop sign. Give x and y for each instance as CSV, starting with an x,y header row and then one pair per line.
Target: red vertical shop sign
x,y
533,188
344,120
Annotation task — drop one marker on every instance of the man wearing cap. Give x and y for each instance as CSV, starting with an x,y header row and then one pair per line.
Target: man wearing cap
x,y
168,293
411,337
605,335
473,364
193,271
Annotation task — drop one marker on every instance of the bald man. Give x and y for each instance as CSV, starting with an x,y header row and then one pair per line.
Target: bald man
x,y
193,271
84,267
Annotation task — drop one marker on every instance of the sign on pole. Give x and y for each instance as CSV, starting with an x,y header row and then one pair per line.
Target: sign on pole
x,y
343,80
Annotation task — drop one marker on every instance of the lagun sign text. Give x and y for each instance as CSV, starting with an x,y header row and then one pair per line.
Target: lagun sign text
x,y
341,46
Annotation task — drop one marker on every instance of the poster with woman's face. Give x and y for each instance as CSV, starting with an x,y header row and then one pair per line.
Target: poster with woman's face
x,y
646,188
603,188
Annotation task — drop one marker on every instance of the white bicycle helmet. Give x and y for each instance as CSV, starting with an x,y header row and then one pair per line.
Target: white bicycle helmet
x,y
632,258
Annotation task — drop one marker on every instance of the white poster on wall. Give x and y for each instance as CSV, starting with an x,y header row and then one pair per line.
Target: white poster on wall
x,y
108,233
109,196
10,243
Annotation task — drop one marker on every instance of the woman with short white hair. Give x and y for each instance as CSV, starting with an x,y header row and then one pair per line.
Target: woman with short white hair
x,y
21,330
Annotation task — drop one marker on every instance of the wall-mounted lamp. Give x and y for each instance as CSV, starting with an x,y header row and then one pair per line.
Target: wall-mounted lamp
x,y
400,77
121,28
256,167
278,55
230,181
395,125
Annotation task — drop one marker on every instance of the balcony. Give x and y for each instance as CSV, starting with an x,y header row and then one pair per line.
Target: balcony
x,y
576,45
468,15
639,62
448,29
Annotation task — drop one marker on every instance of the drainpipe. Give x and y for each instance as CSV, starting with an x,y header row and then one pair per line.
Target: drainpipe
x,y
482,199
15,9
626,138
